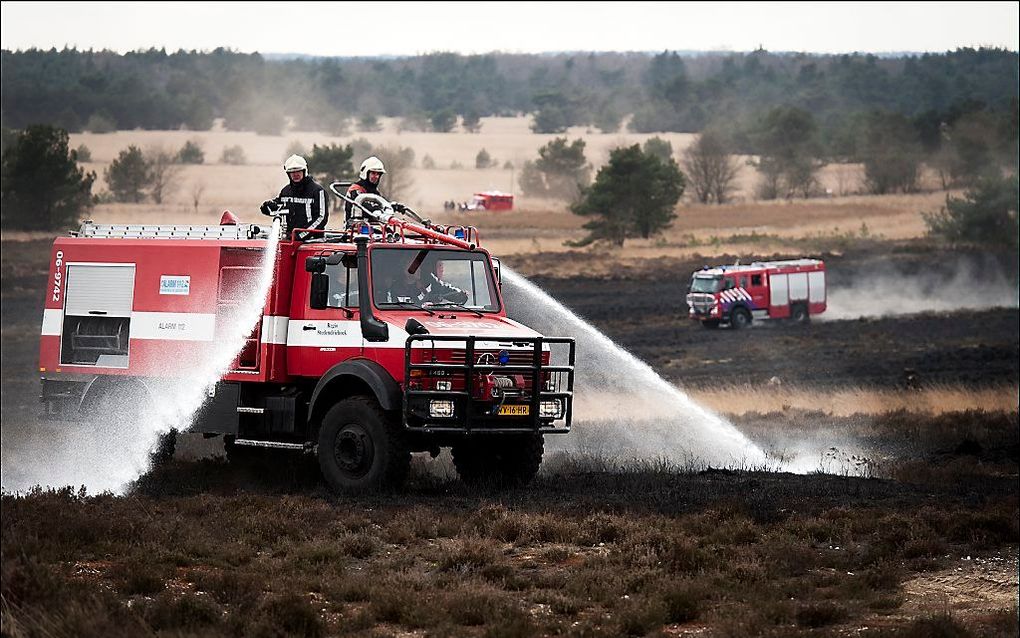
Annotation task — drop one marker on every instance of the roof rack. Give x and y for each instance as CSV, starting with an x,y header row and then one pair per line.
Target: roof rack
x,y
170,231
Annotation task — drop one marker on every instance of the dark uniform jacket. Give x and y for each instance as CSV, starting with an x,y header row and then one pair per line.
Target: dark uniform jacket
x,y
357,188
306,204
432,289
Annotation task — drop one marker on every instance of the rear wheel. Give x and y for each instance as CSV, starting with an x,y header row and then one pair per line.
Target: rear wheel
x,y
506,460
740,318
799,314
361,447
125,409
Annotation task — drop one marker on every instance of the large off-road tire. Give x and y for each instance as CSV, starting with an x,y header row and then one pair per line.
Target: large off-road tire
x,y
740,318
799,314
361,447
504,460
710,324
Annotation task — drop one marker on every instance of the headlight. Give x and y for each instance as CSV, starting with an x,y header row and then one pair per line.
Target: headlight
x,y
440,409
550,409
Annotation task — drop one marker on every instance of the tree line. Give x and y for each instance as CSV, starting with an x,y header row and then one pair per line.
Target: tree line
x,y
102,90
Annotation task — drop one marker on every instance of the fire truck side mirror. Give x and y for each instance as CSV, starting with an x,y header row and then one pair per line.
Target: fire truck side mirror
x,y
319,299
315,264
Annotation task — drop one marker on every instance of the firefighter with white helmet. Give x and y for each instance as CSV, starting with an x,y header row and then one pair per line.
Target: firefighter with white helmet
x,y
370,174
303,200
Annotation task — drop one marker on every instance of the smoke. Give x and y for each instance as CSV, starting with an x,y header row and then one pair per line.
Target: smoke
x,y
111,447
968,286
623,409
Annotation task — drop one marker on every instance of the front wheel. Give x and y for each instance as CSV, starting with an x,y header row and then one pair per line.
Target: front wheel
x,y
740,318
360,447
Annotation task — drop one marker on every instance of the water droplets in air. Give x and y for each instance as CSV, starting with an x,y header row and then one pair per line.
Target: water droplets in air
x,y
624,411
113,450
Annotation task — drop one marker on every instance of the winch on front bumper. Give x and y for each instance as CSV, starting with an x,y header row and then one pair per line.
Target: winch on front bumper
x,y
464,388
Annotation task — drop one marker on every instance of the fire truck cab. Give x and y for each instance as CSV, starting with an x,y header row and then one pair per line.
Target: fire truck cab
x,y
382,339
739,294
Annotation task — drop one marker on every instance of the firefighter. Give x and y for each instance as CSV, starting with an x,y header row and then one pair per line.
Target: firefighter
x,y
370,174
303,200
423,285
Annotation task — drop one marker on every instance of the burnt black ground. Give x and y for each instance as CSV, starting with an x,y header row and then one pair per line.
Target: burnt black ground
x,y
642,308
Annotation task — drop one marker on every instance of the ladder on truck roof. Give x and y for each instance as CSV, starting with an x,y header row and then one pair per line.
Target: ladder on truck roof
x,y
170,231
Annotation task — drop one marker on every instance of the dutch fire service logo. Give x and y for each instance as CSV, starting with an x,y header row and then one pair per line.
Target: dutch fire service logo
x,y
734,294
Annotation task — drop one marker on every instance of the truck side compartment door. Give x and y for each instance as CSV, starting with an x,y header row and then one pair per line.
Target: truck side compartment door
x,y
98,307
816,291
779,297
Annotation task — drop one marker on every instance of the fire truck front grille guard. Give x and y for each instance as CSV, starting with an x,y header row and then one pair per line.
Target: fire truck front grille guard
x,y
474,414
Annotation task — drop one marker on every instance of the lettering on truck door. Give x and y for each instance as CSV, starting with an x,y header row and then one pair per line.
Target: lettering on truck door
x,y
318,339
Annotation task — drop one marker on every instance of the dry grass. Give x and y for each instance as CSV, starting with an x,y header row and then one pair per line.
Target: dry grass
x,y
241,188
760,555
737,400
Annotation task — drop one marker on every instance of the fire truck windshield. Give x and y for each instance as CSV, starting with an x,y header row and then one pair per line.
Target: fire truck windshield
x,y
403,278
709,284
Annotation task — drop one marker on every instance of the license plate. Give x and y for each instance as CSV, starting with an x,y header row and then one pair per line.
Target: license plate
x,y
514,410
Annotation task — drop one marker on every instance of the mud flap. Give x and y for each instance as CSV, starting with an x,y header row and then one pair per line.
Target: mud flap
x,y
218,415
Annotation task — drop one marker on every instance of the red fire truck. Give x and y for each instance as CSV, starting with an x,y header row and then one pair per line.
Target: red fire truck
x,y
736,295
342,363
492,200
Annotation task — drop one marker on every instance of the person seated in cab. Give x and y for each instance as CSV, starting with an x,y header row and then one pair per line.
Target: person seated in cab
x,y
303,199
402,281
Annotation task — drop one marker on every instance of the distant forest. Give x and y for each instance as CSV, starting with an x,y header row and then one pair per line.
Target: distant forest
x,y
93,90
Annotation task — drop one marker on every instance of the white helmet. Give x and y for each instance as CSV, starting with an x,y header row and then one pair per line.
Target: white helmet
x,y
295,163
371,165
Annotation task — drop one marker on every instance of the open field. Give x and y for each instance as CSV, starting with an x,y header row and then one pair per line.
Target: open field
x,y
907,525
242,188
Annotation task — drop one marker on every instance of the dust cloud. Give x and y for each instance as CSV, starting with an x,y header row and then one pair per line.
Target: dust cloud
x,y
969,286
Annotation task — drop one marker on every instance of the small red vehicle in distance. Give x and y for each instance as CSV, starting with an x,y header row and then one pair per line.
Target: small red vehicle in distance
x,y
492,200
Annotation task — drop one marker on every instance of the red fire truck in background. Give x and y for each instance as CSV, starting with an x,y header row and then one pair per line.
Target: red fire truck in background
x,y
736,295
492,200
339,363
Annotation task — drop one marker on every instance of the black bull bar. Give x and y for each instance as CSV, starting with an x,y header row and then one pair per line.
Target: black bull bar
x,y
472,413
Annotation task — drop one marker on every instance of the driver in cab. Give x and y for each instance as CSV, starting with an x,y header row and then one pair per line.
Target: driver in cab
x,y
418,284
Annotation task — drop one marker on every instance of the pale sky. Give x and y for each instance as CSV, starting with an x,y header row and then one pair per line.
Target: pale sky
x,y
397,28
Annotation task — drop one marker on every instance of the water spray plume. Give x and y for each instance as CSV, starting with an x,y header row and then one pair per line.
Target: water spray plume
x,y
113,450
624,411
